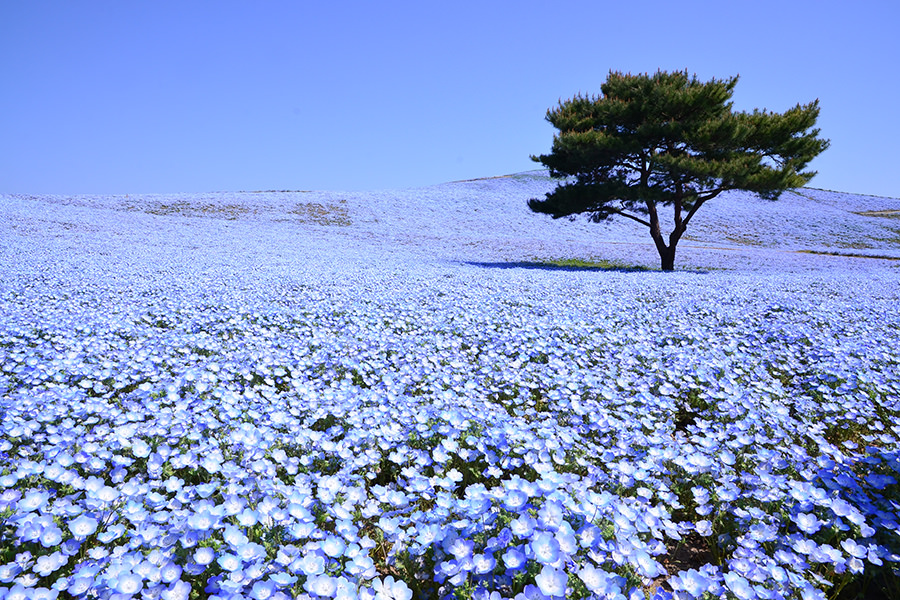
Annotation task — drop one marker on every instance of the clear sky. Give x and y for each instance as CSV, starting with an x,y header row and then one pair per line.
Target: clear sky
x,y
119,96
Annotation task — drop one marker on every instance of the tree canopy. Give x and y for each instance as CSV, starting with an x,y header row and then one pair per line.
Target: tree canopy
x,y
670,139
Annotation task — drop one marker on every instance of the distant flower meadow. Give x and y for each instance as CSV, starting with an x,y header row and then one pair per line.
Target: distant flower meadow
x,y
213,424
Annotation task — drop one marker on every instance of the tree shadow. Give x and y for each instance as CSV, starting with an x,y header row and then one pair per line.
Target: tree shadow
x,y
550,266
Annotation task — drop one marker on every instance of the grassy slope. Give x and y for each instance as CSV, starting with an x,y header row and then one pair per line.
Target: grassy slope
x,y
480,220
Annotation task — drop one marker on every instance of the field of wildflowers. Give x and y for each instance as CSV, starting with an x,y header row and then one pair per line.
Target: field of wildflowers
x,y
397,395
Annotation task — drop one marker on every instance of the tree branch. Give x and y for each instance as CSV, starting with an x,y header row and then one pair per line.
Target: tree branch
x,y
709,194
632,217
698,204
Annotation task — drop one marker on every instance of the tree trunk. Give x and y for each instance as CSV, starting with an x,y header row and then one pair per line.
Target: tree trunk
x,y
666,253
667,257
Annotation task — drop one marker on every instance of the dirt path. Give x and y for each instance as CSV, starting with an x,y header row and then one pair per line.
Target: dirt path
x,y
879,213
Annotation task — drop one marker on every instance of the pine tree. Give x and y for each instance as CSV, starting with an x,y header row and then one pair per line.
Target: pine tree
x,y
669,139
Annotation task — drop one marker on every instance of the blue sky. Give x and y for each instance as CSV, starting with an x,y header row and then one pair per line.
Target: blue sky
x,y
129,97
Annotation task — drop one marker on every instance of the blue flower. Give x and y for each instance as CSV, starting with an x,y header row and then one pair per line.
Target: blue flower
x,y
47,564
204,555
514,559
312,563
33,500
333,546
523,526
807,523
739,586
460,547
514,500
691,581
552,582
484,563
545,548
51,536
128,583
263,590
283,579
178,590
230,562
389,589
598,581
550,515
83,526
645,564
169,572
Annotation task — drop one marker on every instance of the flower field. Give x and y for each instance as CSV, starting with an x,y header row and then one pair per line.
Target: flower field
x,y
313,395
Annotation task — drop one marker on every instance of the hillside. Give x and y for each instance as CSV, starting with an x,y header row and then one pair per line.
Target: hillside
x,y
482,220
387,394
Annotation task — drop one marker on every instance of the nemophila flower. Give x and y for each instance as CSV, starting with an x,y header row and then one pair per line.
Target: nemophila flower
x,y
79,585
333,546
531,592
691,581
598,581
250,551
229,562
233,504
312,563
739,586
234,536
361,566
588,534
83,526
19,592
262,590
389,525
514,559
9,571
522,526
808,592
128,583
514,500
70,547
8,496
646,565
204,555
283,579
550,515
321,585
33,500
248,517
140,448
545,548
178,590
484,563
111,533
447,568
460,547
347,590
50,536
761,532
428,534
703,528
826,553
879,481
552,582
270,353
568,544
169,572
389,589
807,523
202,520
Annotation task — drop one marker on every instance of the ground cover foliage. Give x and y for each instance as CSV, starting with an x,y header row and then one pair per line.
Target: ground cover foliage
x,y
346,418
